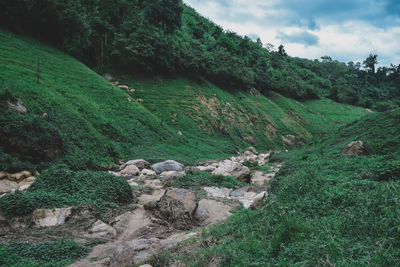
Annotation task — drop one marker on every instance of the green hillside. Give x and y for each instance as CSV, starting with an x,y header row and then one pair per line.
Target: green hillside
x,y
89,122
324,208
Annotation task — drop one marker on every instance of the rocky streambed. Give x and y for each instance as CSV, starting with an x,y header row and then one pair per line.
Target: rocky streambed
x,y
163,216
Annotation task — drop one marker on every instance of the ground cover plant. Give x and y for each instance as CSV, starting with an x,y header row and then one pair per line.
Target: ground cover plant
x,y
60,187
57,253
324,208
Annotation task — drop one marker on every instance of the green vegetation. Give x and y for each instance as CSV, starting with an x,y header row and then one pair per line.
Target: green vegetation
x,y
200,179
61,187
324,208
91,123
58,253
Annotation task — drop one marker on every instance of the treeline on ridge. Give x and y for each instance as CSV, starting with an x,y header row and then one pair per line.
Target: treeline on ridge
x,y
166,36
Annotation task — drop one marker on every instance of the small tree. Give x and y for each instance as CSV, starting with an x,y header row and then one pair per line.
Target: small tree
x,y
282,51
370,62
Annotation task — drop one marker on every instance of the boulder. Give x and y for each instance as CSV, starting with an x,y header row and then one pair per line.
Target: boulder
x,y
50,217
176,206
17,106
157,184
26,183
140,163
132,182
3,175
211,211
258,200
252,150
7,186
103,231
125,87
130,171
237,193
218,192
147,174
292,141
261,178
134,252
17,177
168,165
235,169
354,148
368,111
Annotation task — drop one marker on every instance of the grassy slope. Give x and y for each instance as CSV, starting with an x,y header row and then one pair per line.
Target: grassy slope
x,y
99,125
325,208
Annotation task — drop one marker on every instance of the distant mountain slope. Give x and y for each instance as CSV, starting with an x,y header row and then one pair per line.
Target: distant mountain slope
x,y
78,117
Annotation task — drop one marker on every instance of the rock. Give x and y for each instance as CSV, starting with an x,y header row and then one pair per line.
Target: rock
x,y
17,177
26,183
140,163
130,171
252,150
132,182
368,111
168,165
4,175
292,141
170,175
18,106
260,178
50,217
247,153
218,192
124,87
134,252
258,200
180,133
154,183
108,77
186,197
211,211
237,193
176,207
102,230
7,186
354,148
26,173
209,168
235,169
147,174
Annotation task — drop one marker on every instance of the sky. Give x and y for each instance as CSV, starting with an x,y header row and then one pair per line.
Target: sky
x,y
346,30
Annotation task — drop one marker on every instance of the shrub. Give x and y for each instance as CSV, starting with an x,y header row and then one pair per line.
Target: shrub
x,y
60,187
58,253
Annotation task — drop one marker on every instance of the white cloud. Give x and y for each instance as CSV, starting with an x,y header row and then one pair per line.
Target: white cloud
x,y
348,39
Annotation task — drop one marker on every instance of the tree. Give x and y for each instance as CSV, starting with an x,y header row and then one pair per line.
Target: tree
x,y
281,50
259,43
370,62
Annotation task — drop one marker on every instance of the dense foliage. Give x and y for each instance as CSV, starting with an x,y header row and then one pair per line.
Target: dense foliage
x,y
169,37
324,208
61,187
57,253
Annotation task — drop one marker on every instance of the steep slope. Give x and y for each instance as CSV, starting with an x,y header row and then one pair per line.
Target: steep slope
x,y
324,208
79,118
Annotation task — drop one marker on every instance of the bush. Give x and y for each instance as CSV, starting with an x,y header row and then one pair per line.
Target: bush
x,y
58,253
61,187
